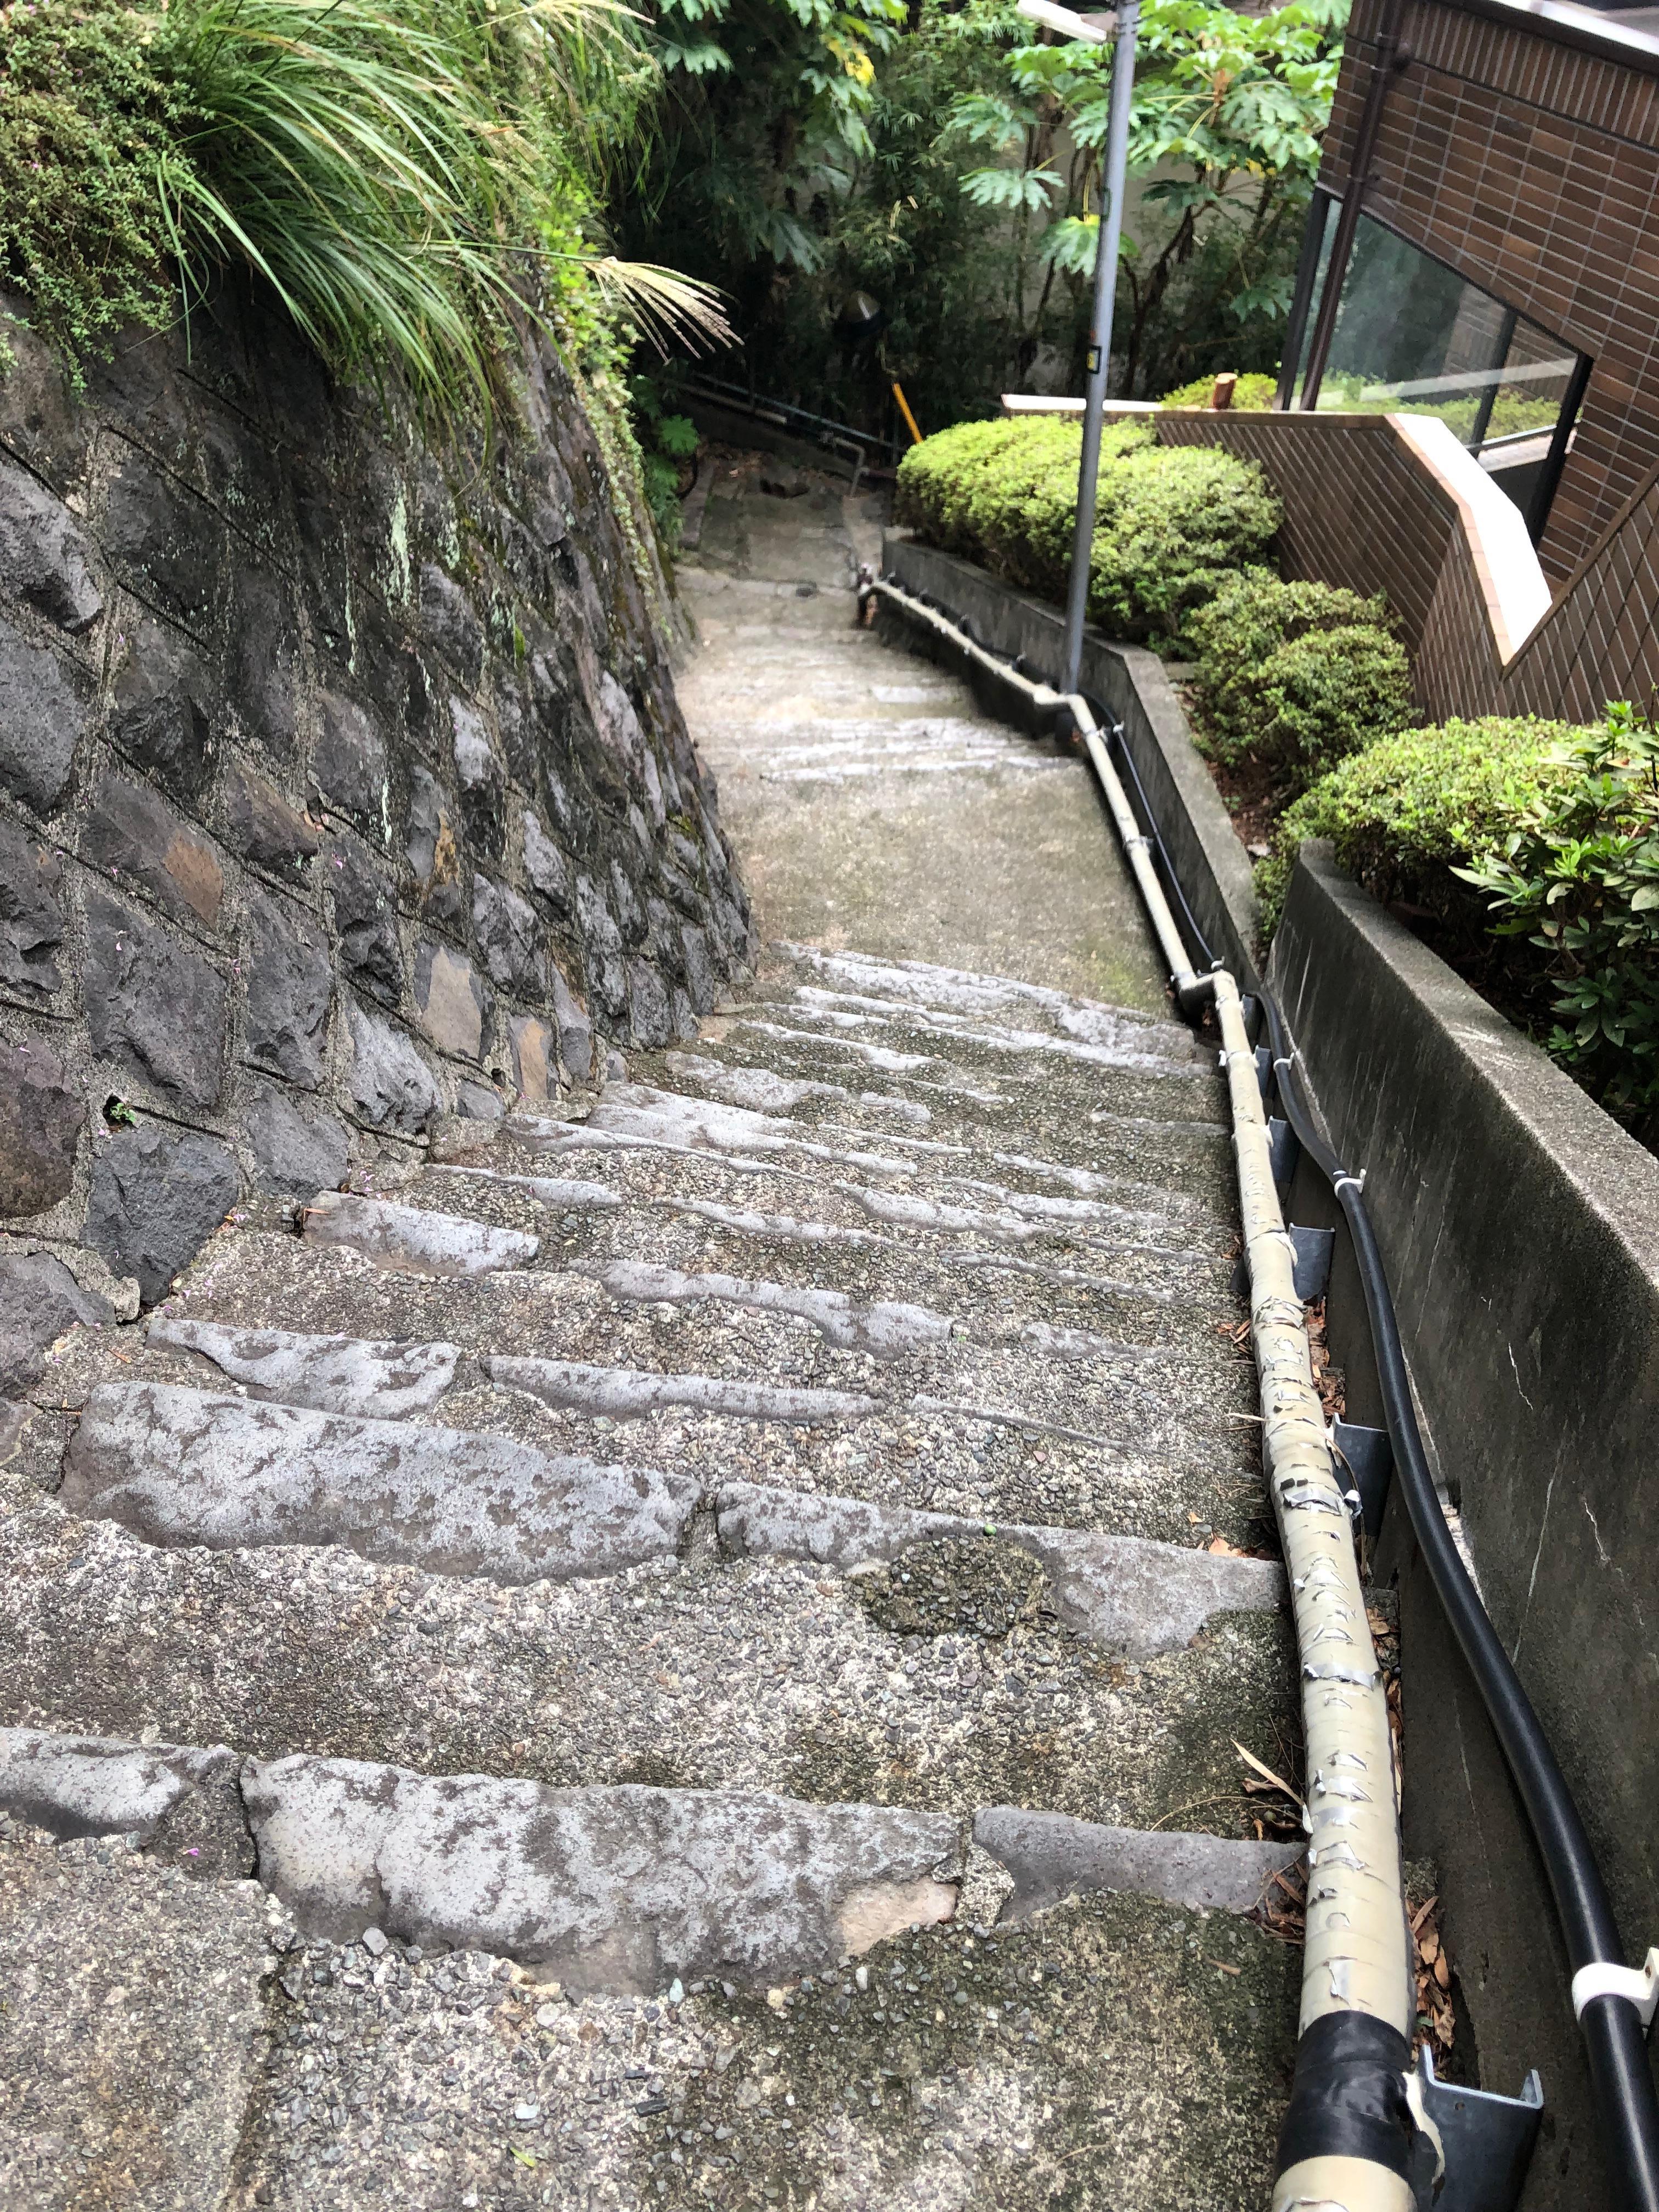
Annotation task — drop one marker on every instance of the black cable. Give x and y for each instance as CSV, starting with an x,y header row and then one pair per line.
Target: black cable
x,y
1615,2040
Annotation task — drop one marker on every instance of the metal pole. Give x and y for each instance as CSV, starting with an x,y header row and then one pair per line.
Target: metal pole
x,y
1100,334
1386,60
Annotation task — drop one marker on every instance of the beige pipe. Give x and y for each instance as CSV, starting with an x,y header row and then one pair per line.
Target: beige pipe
x,y
1357,1956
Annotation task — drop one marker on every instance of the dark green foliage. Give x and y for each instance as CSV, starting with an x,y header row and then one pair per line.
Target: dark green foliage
x,y
668,445
1575,885
759,183
85,120
1184,520
1413,807
1296,675
412,176
1172,522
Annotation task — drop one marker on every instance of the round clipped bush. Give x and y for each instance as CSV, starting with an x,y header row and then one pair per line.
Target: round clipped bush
x,y
1296,675
1183,519
1414,806
1171,523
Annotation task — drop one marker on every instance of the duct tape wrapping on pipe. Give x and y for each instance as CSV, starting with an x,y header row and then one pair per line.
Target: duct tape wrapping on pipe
x,y
1360,2136
1353,2141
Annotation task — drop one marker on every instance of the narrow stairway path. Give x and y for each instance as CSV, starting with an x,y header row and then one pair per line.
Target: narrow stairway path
x,y
670,1655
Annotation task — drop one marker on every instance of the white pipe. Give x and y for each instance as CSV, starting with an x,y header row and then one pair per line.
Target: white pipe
x,y
1358,1957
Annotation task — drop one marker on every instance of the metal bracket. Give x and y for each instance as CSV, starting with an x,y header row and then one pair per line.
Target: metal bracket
x,y
1283,1150
1637,1985
1487,2140
1264,1066
1313,1249
1369,1457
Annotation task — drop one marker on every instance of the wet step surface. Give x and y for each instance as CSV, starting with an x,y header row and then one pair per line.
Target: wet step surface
x,y
694,1650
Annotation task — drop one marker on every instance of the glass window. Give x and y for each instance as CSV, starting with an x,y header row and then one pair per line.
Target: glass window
x,y
1414,337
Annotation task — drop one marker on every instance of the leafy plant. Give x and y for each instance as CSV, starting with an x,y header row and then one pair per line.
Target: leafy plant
x,y
1227,117
85,122
412,176
1171,522
668,446
1578,880
1296,674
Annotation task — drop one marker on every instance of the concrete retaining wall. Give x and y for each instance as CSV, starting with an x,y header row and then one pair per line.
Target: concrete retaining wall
x,y
1520,1227
342,789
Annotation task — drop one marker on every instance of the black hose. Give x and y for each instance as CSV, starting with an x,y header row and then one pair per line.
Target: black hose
x,y
1615,2040
1621,2080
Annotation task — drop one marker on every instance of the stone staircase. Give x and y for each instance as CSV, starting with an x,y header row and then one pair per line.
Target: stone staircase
x,y
733,1608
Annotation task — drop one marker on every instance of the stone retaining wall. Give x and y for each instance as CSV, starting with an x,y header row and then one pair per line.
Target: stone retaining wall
x,y
342,788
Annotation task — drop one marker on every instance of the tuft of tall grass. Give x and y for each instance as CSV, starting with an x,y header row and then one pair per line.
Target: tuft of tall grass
x,y
407,174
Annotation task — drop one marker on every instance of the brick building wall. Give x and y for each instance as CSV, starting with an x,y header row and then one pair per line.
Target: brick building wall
x,y
1525,152
1368,504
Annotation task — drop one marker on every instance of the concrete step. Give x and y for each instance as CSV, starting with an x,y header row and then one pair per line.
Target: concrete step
x,y
458,1983
1053,1424
964,1685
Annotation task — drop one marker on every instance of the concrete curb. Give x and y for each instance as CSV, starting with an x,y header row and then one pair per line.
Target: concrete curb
x,y
1520,1227
1213,866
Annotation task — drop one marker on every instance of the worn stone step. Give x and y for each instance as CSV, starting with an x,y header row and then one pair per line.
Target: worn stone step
x,y
410,1237
626,1890
1114,2051
1133,2050
672,1208
883,1160
177,1466
822,1074
1051,1429
926,1214
386,1380
966,1684
964,1146
981,1455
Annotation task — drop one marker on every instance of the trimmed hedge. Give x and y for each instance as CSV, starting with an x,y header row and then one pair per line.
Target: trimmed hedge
x,y
1296,675
1413,807
1252,395
1173,523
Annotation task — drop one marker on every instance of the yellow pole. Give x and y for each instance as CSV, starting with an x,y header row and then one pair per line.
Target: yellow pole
x,y
905,409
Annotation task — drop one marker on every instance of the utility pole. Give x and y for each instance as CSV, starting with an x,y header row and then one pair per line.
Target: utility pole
x,y
1114,170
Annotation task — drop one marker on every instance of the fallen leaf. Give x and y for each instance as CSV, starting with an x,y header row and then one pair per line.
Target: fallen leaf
x,y
1267,1772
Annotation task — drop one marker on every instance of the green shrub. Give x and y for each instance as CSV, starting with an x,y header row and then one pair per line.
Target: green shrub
x,y
1172,523
1296,675
1413,807
85,123
412,176
1186,518
1252,394
1576,879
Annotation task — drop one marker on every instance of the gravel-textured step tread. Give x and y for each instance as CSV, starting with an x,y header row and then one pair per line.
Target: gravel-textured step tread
x,y
1113,2051
135,2028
